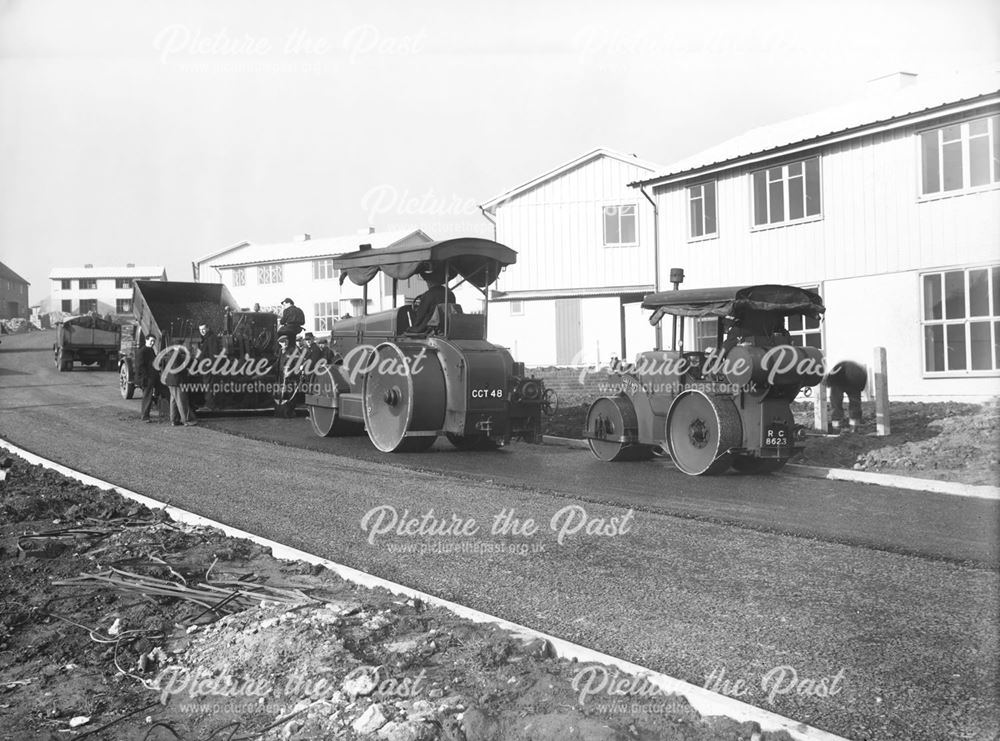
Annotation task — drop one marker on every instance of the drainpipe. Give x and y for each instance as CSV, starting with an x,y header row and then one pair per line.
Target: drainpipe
x,y
658,342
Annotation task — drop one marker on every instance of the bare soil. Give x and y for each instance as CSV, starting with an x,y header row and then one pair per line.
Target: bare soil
x,y
949,441
116,623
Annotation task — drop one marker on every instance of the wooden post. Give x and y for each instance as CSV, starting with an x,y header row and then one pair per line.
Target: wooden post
x,y
881,391
821,418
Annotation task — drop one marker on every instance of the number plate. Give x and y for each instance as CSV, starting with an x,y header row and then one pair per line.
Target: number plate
x,y
776,436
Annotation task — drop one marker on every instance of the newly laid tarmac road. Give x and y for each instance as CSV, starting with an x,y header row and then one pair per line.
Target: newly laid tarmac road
x,y
730,576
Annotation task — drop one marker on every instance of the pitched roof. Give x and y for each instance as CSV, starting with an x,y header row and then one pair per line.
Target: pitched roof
x,y
628,159
140,271
8,274
311,249
853,119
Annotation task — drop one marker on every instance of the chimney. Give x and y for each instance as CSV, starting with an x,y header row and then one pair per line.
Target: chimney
x,y
371,230
130,264
89,265
888,84
301,237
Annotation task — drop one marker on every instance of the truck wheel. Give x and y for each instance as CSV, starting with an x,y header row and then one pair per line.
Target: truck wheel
x,y
126,384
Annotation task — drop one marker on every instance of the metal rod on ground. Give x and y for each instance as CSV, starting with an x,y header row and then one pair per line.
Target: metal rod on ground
x,y
881,390
821,421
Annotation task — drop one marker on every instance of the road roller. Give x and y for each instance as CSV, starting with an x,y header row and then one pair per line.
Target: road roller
x,y
716,408
407,375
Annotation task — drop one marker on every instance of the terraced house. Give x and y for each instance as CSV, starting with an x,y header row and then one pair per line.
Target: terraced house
x,y
888,206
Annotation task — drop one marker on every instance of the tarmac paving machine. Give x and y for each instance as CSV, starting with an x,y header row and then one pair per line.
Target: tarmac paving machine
x,y
728,406
407,383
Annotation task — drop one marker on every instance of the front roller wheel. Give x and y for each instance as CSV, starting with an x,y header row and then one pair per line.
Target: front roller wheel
x,y
324,420
400,396
612,428
701,430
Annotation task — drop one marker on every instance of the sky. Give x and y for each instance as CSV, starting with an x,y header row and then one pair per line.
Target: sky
x,y
156,132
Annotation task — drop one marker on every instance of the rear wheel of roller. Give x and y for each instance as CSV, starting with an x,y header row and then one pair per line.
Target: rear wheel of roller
x,y
397,401
701,428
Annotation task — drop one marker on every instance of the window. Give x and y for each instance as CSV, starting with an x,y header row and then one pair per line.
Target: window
x,y
269,273
66,286
123,306
961,320
88,305
67,306
239,277
353,306
325,312
701,201
786,193
961,156
123,283
323,269
706,334
517,308
88,284
619,225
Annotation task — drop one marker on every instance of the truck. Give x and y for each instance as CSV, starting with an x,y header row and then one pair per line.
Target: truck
x,y
87,339
171,311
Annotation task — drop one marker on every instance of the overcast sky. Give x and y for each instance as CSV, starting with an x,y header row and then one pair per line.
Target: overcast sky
x,y
156,132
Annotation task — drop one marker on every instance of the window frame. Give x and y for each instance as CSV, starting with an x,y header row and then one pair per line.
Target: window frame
x,y
119,284
239,277
517,307
87,301
324,315
65,284
323,265
993,141
806,218
88,284
992,319
121,307
715,201
270,270
67,306
606,211
805,331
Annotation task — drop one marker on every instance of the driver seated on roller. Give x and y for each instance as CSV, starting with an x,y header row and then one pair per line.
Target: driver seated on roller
x,y
423,306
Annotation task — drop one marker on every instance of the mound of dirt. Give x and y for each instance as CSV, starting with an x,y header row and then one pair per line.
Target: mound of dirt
x,y
118,623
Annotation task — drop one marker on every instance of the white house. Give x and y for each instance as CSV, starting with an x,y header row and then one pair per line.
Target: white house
x,y
888,206
106,290
585,257
302,270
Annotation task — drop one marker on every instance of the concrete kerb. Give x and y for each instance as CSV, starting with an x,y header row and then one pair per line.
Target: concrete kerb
x,y
934,486
702,700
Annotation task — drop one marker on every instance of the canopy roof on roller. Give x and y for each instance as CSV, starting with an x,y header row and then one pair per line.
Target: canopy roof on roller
x,y
734,301
477,260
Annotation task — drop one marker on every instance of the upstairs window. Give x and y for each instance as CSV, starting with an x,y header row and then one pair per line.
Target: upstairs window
x,y
88,284
270,273
701,207
619,225
239,277
323,269
123,283
961,156
66,285
961,321
786,193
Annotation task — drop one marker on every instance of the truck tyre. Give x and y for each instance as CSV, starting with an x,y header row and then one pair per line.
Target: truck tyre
x,y
63,363
126,383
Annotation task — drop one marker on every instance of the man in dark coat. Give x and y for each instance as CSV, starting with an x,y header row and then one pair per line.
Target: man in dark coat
x,y
424,304
292,320
172,377
208,349
146,377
